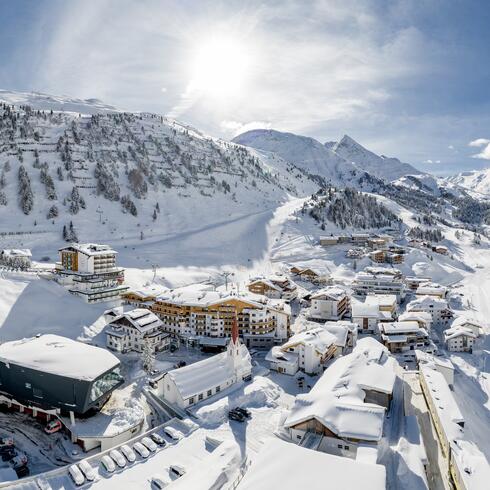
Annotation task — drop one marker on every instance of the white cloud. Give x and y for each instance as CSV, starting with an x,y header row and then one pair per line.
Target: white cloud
x,y
481,143
431,161
451,147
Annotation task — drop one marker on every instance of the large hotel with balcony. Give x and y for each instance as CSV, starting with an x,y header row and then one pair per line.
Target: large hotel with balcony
x,y
194,312
89,270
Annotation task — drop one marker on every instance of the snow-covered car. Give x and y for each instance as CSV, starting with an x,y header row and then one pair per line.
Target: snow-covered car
x,y
158,439
177,470
149,444
76,475
87,470
160,481
43,484
52,427
118,458
107,463
128,453
6,442
19,460
174,434
141,450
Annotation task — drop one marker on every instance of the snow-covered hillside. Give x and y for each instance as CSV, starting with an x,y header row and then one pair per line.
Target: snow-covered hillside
x,y
340,162
475,181
124,175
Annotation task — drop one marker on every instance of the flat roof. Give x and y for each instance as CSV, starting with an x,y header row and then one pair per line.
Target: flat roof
x,y
288,466
60,356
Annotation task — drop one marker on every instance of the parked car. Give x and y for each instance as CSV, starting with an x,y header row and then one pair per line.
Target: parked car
x,y
53,426
158,439
8,453
118,458
128,453
6,442
243,411
177,470
19,460
149,444
141,450
43,484
237,416
87,470
22,471
174,434
160,481
76,475
107,463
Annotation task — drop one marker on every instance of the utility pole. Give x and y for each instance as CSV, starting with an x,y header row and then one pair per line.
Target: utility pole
x,y
154,268
226,274
98,210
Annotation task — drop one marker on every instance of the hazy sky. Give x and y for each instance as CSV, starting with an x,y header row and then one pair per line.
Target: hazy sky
x,y
404,78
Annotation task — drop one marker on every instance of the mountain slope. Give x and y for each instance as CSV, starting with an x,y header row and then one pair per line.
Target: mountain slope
x,y
475,181
380,166
120,175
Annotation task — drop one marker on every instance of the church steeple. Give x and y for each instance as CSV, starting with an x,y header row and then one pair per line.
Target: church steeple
x,y
234,330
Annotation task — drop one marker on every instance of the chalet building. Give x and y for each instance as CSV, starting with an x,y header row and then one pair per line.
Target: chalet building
x,y
413,282
307,274
379,280
459,339
469,323
387,303
405,336
194,312
204,379
438,308
386,256
89,270
16,258
431,289
307,351
346,407
423,318
57,375
440,249
330,303
345,333
132,330
366,315
275,287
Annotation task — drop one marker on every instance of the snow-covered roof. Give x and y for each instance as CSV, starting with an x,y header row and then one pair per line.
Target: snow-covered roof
x,y
443,400
277,354
462,321
427,302
430,288
458,331
140,318
337,399
90,249
383,300
368,277
416,316
59,355
340,330
270,470
435,361
330,292
206,374
472,464
16,252
319,338
388,271
394,328
267,282
148,291
364,310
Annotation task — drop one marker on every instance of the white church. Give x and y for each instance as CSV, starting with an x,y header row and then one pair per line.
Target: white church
x,y
196,382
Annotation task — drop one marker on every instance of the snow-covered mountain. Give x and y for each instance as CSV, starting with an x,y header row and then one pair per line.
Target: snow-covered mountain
x,y
380,166
475,181
340,162
116,174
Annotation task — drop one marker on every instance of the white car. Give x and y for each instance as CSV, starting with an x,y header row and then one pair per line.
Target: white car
x,y
76,475
43,484
108,464
160,481
87,470
149,444
174,434
128,453
141,450
118,458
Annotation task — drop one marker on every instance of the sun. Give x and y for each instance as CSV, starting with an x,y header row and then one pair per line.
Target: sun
x,y
220,67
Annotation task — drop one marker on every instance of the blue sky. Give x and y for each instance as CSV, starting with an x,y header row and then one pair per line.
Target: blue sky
x,y
409,79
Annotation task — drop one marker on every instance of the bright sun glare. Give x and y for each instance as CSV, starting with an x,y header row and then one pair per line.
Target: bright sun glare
x,y
220,67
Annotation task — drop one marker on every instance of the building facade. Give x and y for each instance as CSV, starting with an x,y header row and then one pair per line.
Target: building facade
x,y
330,303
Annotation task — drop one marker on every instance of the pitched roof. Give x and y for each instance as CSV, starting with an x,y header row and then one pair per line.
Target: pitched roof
x,y
140,318
318,337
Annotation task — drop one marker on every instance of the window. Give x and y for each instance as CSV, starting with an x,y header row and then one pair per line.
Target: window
x,y
210,392
105,383
37,393
28,386
218,389
339,446
201,396
191,400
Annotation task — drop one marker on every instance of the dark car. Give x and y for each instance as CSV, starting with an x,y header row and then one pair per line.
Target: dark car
x,y
158,439
246,413
234,415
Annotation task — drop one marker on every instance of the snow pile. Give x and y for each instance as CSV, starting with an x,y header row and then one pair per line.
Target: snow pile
x,y
261,393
